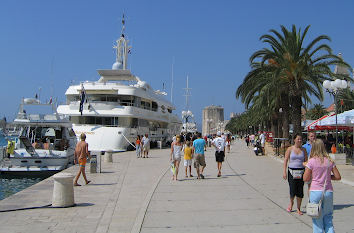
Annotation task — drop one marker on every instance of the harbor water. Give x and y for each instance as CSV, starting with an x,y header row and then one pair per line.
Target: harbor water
x,y
12,185
3,141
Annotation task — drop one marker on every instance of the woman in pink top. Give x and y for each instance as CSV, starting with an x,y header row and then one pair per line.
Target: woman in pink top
x,y
320,167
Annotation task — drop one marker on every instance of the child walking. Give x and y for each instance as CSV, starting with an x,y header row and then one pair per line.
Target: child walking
x,y
188,158
176,149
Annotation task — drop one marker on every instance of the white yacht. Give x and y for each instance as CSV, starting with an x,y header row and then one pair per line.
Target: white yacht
x,y
188,122
119,106
45,143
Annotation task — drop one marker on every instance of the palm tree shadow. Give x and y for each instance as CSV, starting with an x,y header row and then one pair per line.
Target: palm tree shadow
x,y
339,207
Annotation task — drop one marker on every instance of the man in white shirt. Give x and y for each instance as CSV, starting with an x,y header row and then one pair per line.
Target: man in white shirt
x,y
262,139
146,145
219,144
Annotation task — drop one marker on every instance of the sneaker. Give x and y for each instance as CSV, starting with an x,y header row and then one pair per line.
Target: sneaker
x,y
202,176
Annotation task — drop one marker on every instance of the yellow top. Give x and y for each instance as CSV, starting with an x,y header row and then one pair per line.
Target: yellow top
x,y
187,153
10,147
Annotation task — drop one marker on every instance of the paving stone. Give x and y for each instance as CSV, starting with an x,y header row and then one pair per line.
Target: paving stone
x,y
251,196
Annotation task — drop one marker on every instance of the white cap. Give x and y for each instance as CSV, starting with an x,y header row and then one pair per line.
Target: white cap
x,y
218,133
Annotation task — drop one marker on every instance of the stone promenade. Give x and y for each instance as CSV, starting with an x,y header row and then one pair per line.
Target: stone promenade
x,y
137,195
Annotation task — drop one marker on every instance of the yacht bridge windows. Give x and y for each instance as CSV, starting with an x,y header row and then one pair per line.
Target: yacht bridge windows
x,y
122,100
126,122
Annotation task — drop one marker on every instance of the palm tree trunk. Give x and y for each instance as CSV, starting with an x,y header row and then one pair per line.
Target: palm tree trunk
x,y
296,114
273,127
285,115
285,126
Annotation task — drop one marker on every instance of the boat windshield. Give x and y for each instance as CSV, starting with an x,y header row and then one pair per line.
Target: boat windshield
x,y
46,137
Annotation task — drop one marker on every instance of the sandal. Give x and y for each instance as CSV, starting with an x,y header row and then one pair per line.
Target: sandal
x,y
77,184
89,181
288,209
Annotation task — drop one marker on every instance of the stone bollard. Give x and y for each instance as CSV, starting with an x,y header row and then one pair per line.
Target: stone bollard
x,y
108,157
63,192
93,164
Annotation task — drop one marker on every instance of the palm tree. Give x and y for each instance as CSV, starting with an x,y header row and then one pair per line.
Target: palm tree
x,y
264,92
316,112
301,69
345,100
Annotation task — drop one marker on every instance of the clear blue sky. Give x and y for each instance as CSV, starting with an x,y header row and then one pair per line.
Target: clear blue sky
x,y
48,44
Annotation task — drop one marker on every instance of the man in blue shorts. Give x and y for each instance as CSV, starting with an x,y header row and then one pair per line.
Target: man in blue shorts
x,y
199,160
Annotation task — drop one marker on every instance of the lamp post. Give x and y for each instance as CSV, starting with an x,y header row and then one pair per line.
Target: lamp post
x,y
220,125
279,127
333,87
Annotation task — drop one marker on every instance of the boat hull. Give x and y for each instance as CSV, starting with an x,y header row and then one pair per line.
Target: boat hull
x,y
117,139
44,162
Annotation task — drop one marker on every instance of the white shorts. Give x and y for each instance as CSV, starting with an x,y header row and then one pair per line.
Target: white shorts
x,y
187,162
177,158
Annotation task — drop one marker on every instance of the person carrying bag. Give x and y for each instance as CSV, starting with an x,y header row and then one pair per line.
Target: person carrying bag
x,y
320,206
293,171
314,209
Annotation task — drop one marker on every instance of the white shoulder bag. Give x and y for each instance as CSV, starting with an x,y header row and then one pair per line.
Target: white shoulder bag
x,y
314,209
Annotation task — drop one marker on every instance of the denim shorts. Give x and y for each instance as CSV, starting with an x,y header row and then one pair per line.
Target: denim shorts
x,y
325,221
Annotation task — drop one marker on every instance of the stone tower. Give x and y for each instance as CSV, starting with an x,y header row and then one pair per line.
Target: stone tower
x,y
213,119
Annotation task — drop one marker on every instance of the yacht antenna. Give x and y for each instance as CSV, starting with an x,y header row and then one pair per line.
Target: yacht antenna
x,y
187,94
52,77
173,62
123,27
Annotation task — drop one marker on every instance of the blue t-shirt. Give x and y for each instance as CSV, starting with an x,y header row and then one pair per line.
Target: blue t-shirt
x,y
198,145
307,147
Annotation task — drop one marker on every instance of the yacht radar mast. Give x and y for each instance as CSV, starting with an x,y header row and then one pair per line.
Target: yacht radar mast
x,y
188,122
122,50
187,94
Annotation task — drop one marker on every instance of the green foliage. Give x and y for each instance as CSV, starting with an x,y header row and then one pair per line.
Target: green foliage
x,y
316,112
245,121
287,73
345,96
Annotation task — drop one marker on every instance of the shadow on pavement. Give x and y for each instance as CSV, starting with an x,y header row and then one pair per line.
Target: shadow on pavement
x,y
83,204
339,207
